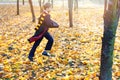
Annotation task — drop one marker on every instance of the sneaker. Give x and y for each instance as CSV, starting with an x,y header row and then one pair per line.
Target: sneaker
x,y
30,58
45,53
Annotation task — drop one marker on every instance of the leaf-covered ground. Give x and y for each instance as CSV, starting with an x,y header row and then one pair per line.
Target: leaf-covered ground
x,y
76,50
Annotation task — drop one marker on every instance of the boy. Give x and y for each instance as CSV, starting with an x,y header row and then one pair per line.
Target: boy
x,y
44,23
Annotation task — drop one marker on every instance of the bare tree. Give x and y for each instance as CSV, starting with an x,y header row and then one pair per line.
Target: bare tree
x,y
75,4
105,6
52,3
23,2
32,10
39,1
48,0
70,5
118,8
17,7
111,18
43,1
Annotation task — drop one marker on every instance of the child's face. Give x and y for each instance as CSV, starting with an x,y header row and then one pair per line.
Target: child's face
x,y
48,9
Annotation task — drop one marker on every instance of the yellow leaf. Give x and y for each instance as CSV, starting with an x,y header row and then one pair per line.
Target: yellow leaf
x,y
72,77
26,62
117,74
40,61
66,78
87,78
69,72
8,75
22,78
96,78
7,68
94,75
41,79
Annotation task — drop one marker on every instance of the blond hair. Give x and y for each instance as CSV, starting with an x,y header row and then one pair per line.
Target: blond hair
x,y
45,6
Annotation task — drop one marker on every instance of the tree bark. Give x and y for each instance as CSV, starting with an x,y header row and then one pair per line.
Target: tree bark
x,y
105,6
23,2
32,10
43,1
110,25
75,4
39,1
49,1
52,3
70,5
118,8
18,7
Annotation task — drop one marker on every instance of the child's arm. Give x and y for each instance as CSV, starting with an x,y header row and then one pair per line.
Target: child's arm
x,y
55,25
50,23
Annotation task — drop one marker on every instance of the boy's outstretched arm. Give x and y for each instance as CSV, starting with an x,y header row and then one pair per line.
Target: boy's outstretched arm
x,y
50,23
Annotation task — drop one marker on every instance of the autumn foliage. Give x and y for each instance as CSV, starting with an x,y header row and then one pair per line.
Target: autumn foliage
x,y
75,53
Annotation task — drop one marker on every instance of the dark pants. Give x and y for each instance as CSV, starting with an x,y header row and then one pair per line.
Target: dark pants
x,y
36,44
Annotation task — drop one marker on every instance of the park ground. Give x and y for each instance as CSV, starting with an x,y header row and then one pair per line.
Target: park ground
x,y
76,50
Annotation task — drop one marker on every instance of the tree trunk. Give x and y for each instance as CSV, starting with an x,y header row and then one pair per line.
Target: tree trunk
x,y
52,3
39,1
32,11
17,7
70,5
49,1
23,2
118,8
75,4
43,1
111,19
105,6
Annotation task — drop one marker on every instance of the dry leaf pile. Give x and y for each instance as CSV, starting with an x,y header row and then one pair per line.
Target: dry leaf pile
x,y
76,51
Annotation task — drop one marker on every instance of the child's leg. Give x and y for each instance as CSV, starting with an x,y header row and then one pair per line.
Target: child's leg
x,y
50,41
36,44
